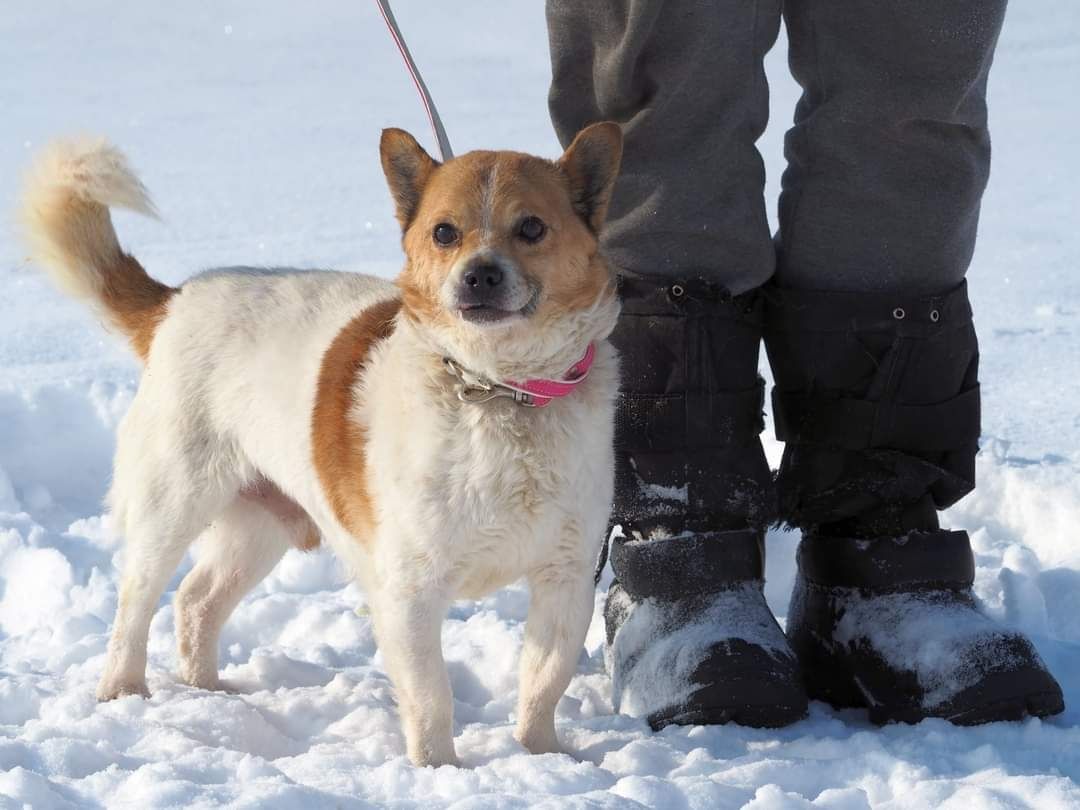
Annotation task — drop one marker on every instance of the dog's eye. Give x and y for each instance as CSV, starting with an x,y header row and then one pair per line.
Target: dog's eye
x,y
532,229
445,234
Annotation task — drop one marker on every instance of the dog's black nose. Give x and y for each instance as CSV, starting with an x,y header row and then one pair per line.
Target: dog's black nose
x,y
482,277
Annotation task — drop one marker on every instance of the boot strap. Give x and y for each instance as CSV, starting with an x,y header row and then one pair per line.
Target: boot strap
x,y
940,559
855,312
858,424
688,565
670,422
686,296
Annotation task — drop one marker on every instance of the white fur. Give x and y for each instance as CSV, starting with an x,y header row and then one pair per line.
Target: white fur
x,y
468,497
65,214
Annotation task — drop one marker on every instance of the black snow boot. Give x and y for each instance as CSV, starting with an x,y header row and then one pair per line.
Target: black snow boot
x,y
891,624
878,401
690,637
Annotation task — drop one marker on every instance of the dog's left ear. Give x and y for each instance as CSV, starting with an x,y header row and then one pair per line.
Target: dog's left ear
x,y
591,163
407,168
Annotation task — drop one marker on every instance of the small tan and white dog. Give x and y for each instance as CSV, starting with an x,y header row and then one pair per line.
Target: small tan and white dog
x,y
285,408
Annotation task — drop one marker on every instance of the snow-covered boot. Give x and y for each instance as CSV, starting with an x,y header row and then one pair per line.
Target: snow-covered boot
x,y
690,637
877,400
891,624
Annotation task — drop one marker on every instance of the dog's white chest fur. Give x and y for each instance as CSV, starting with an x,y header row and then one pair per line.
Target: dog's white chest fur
x,y
485,493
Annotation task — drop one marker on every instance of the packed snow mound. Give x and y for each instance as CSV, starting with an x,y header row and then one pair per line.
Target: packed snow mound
x,y
57,443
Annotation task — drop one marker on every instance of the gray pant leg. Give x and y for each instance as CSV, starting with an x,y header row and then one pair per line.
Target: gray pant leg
x,y
685,79
890,152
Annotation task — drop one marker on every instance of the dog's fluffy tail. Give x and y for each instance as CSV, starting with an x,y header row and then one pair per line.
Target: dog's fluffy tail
x,y
65,216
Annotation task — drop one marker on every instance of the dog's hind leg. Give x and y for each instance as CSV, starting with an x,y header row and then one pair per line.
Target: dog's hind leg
x,y
238,550
168,485
154,547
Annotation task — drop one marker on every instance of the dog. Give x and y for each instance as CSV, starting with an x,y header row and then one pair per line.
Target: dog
x,y
445,434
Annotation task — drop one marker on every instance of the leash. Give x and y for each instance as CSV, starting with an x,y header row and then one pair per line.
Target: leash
x,y
445,152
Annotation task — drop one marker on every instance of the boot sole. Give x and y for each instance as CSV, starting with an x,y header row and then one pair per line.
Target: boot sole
x,y
1044,704
773,716
989,701
759,692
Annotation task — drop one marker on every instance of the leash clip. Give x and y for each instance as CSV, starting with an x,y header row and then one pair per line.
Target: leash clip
x,y
478,394
477,391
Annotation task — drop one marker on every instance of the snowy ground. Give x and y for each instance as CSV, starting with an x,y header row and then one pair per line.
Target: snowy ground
x,y
256,129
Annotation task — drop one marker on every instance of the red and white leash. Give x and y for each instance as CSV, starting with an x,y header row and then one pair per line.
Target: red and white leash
x,y
445,152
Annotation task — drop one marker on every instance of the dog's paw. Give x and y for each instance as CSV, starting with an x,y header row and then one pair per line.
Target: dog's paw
x,y
201,680
540,742
213,684
113,688
426,757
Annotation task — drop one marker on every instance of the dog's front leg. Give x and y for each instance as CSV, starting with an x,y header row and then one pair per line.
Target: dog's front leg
x,y
408,628
560,608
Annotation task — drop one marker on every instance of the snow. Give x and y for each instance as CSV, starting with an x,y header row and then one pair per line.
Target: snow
x,y
255,126
660,492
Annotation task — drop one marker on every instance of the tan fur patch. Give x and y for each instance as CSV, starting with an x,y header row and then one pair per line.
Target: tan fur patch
x,y
74,237
269,496
66,221
337,441
311,539
136,302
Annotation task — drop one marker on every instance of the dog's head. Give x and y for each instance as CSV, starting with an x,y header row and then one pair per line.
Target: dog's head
x,y
503,270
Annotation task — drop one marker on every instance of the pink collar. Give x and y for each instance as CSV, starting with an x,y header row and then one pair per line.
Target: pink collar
x,y
531,393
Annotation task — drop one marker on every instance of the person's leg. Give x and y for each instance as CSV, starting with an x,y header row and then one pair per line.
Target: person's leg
x,y
870,337
890,153
687,229
685,80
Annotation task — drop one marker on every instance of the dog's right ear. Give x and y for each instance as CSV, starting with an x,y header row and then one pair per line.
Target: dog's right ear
x,y
407,168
